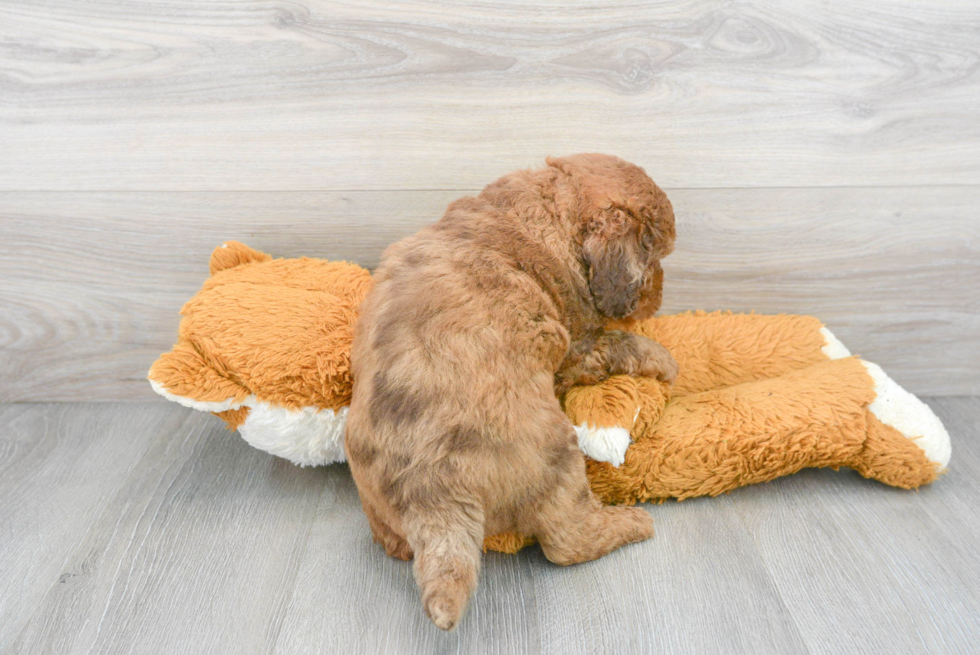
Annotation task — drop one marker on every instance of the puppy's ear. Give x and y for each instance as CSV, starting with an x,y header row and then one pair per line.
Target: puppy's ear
x,y
651,293
615,274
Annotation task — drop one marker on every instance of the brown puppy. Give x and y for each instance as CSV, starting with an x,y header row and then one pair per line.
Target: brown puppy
x,y
454,428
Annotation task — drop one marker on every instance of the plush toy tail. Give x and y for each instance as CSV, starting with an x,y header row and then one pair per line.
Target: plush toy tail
x,y
907,444
233,253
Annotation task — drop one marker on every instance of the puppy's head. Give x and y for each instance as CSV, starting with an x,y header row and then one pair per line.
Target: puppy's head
x,y
626,226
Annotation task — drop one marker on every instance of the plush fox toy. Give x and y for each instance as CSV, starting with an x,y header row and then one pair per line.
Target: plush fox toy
x,y
265,345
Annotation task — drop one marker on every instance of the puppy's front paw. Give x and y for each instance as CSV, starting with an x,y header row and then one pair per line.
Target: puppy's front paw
x,y
660,364
604,444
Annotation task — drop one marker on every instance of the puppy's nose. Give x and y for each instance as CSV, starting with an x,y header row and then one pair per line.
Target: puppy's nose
x,y
627,303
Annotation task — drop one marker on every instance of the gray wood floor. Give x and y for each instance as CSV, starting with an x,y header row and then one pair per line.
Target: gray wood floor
x,y
149,528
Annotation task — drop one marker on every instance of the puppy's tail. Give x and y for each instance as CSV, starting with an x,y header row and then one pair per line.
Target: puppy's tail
x,y
448,545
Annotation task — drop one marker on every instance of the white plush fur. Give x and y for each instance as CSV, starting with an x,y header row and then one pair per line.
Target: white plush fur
x,y
603,444
833,349
900,409
307,436
311,437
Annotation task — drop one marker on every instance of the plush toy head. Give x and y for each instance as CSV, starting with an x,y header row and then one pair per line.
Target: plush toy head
x,y
265,345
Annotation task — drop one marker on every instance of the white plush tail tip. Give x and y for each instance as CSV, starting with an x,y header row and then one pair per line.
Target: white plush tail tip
x,y
903,411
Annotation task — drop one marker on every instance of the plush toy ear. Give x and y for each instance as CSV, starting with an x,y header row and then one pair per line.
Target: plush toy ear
x,y
232,253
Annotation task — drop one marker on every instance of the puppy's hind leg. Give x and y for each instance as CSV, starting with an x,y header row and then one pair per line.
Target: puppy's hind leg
x,y
573,526
393,543
447,540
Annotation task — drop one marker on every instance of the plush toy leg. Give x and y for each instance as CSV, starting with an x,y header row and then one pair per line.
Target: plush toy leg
x,y
604,415
721,349
845,412
712,442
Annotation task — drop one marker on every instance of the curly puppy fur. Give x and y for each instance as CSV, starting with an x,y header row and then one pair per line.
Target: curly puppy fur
x,y
455,430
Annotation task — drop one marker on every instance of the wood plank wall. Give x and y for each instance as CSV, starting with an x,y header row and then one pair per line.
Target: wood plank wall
x,y
821,158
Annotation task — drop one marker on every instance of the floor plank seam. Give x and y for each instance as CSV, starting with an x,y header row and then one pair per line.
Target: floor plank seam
x,y
198,433
769,574
836,563
74,552
272,640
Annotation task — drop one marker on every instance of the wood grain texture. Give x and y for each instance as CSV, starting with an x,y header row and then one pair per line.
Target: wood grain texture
x,y
351,598
196,552
644,598
147,528
885,566
56,477
319,95
822,159
665,596
93,281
